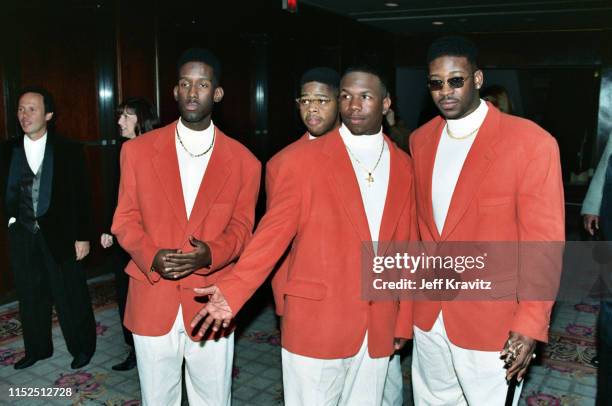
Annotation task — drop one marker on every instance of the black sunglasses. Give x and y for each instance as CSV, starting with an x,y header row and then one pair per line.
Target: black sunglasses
x,y
455,83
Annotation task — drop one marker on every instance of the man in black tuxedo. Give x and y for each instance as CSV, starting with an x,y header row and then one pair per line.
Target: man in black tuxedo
x,y
48,212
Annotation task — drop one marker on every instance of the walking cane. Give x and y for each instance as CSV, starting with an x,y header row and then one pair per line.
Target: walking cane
x,y
511,389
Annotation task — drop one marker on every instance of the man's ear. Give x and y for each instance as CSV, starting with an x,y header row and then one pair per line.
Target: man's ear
x,y
386,103
218,96
478,79
48,116
175,92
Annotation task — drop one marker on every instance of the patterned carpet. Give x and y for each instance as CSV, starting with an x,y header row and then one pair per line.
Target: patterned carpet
x,y
563,376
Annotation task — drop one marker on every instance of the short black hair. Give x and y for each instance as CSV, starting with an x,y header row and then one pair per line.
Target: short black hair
x,y
146,115
322,74
453,46
200,55
372,71
47,98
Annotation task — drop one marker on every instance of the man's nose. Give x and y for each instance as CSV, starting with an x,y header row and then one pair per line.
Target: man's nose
x,y
446,89
355,104
193,93
313,107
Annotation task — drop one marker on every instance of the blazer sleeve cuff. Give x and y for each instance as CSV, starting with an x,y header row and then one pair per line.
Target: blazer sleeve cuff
x,y
144,261
532,320
234,294
217,257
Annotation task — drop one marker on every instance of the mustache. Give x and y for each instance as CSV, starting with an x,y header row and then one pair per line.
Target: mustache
x,y
447,98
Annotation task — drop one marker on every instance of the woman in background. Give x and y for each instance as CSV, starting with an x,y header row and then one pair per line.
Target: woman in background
x,y
136,116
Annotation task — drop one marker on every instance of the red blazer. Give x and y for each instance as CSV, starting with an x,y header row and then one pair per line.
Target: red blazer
x,y
282,268
316,202
151,215
510,189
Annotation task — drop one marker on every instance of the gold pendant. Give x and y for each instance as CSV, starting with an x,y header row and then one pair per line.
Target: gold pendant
x,y
370,179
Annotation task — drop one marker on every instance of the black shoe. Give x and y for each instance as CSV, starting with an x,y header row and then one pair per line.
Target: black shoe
x,y
129,363
28,361
80,361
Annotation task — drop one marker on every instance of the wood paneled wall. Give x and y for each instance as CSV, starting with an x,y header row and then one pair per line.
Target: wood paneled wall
x,y
136,25
63,61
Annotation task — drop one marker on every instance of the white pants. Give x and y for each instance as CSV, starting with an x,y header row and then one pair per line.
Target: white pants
x,y
208,368
357,380
393,394
444,374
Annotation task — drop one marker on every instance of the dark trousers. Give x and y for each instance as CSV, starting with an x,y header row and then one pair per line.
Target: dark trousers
x,y
42,283
604,353
120,259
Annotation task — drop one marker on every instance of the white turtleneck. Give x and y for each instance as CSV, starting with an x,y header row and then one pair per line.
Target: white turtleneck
x,y
366,148
192,169
449,161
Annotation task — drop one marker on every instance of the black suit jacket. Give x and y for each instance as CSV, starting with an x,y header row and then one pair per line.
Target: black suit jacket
x,y
64,214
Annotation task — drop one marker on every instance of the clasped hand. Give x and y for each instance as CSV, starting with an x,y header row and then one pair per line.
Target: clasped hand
x,y
175,264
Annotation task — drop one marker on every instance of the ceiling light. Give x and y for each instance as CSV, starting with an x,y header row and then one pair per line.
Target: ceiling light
x,y
391,4
438,23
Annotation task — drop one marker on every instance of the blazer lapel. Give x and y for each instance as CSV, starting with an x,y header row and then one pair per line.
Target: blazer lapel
x,y
46,180
479,159
424,160
14,176
165,164
345,186
215,177
398,193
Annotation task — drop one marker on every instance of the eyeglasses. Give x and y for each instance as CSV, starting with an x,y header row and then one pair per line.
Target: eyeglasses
x,y
303,101
454,83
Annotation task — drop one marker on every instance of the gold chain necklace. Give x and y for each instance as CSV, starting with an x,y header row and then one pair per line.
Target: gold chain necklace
x,y
189,152
370,178
463,137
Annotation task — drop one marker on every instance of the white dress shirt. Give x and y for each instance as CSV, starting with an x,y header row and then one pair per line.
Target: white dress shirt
x,y
35,151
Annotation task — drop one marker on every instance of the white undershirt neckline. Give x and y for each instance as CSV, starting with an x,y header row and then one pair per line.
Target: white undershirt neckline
x,y
450,157
191,168
367,148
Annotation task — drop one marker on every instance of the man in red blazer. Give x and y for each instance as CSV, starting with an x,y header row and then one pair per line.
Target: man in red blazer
x,y
332,197
185,211
481,175
318,107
